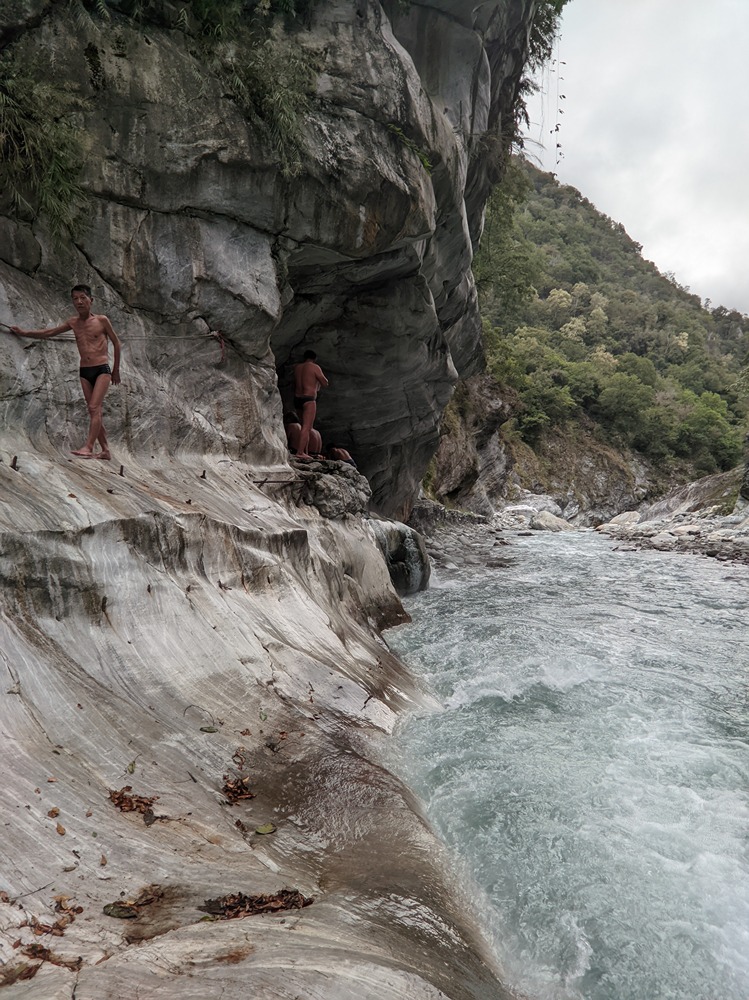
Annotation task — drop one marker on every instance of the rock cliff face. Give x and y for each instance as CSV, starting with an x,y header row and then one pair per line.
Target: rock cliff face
x,y
197,619
192,228
481,468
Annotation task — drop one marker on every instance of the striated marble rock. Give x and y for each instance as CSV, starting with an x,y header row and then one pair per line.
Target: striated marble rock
x,y
167,632
199,615
191,228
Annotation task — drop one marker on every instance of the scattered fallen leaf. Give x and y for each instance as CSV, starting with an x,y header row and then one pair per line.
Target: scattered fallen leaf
x,y
64,904
89,813
131,767
103,861
208,729
245,732
53,813
237,788
43,954
51,781
68,912
266,828
238,905
123,911
126,802
263,715
127,909
60,829
20,973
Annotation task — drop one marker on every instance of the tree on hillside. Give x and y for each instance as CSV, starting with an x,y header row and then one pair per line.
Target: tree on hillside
x,y
583,328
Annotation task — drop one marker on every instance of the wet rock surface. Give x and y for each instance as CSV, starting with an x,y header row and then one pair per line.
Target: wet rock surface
x,y
460,541
405,554
197,690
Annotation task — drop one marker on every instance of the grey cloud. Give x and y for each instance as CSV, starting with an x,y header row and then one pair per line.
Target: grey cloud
x,y
652,130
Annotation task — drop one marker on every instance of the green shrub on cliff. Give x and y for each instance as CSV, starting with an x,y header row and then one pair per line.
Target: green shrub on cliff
x,y
262,66
269,74
42,146
585,329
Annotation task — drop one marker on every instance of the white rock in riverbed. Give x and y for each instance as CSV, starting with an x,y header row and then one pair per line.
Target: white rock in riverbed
x,y
544,521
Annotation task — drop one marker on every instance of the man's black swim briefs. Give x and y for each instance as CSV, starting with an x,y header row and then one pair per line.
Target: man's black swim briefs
x,y
91,374
299,401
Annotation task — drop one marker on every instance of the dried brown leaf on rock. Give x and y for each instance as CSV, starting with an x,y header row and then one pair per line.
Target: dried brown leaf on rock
x,y
60,829
131,803
17,973
54,813
64,904
43,954
68,911
128,909
237,788
122,911
126,802
239,905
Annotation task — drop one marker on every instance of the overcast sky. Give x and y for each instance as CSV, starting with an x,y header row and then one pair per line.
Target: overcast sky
x,y
655,130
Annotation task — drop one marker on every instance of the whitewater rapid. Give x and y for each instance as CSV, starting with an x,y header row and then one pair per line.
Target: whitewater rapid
x,y
590,765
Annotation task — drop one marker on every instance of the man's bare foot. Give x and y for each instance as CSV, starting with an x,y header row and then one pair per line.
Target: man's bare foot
x,y
304,457
103,454
83,453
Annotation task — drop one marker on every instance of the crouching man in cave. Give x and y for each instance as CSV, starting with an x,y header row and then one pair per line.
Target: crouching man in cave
x,y
92,336
308,378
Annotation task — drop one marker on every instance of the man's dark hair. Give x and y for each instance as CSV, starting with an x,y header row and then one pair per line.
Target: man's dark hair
x,y
310,356
81,288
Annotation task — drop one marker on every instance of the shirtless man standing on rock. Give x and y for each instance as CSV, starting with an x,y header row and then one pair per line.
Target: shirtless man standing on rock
x,y
308,378
92,334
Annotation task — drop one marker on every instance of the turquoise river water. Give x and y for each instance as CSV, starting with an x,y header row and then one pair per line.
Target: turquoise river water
x,y
590,764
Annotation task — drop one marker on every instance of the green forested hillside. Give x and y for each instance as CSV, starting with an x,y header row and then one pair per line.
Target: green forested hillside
x,y
585,330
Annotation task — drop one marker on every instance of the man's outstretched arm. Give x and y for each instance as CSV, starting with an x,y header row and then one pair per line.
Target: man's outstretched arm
x,y
40,334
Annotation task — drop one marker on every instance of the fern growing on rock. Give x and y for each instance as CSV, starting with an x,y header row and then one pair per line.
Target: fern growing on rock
x,y
42,146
